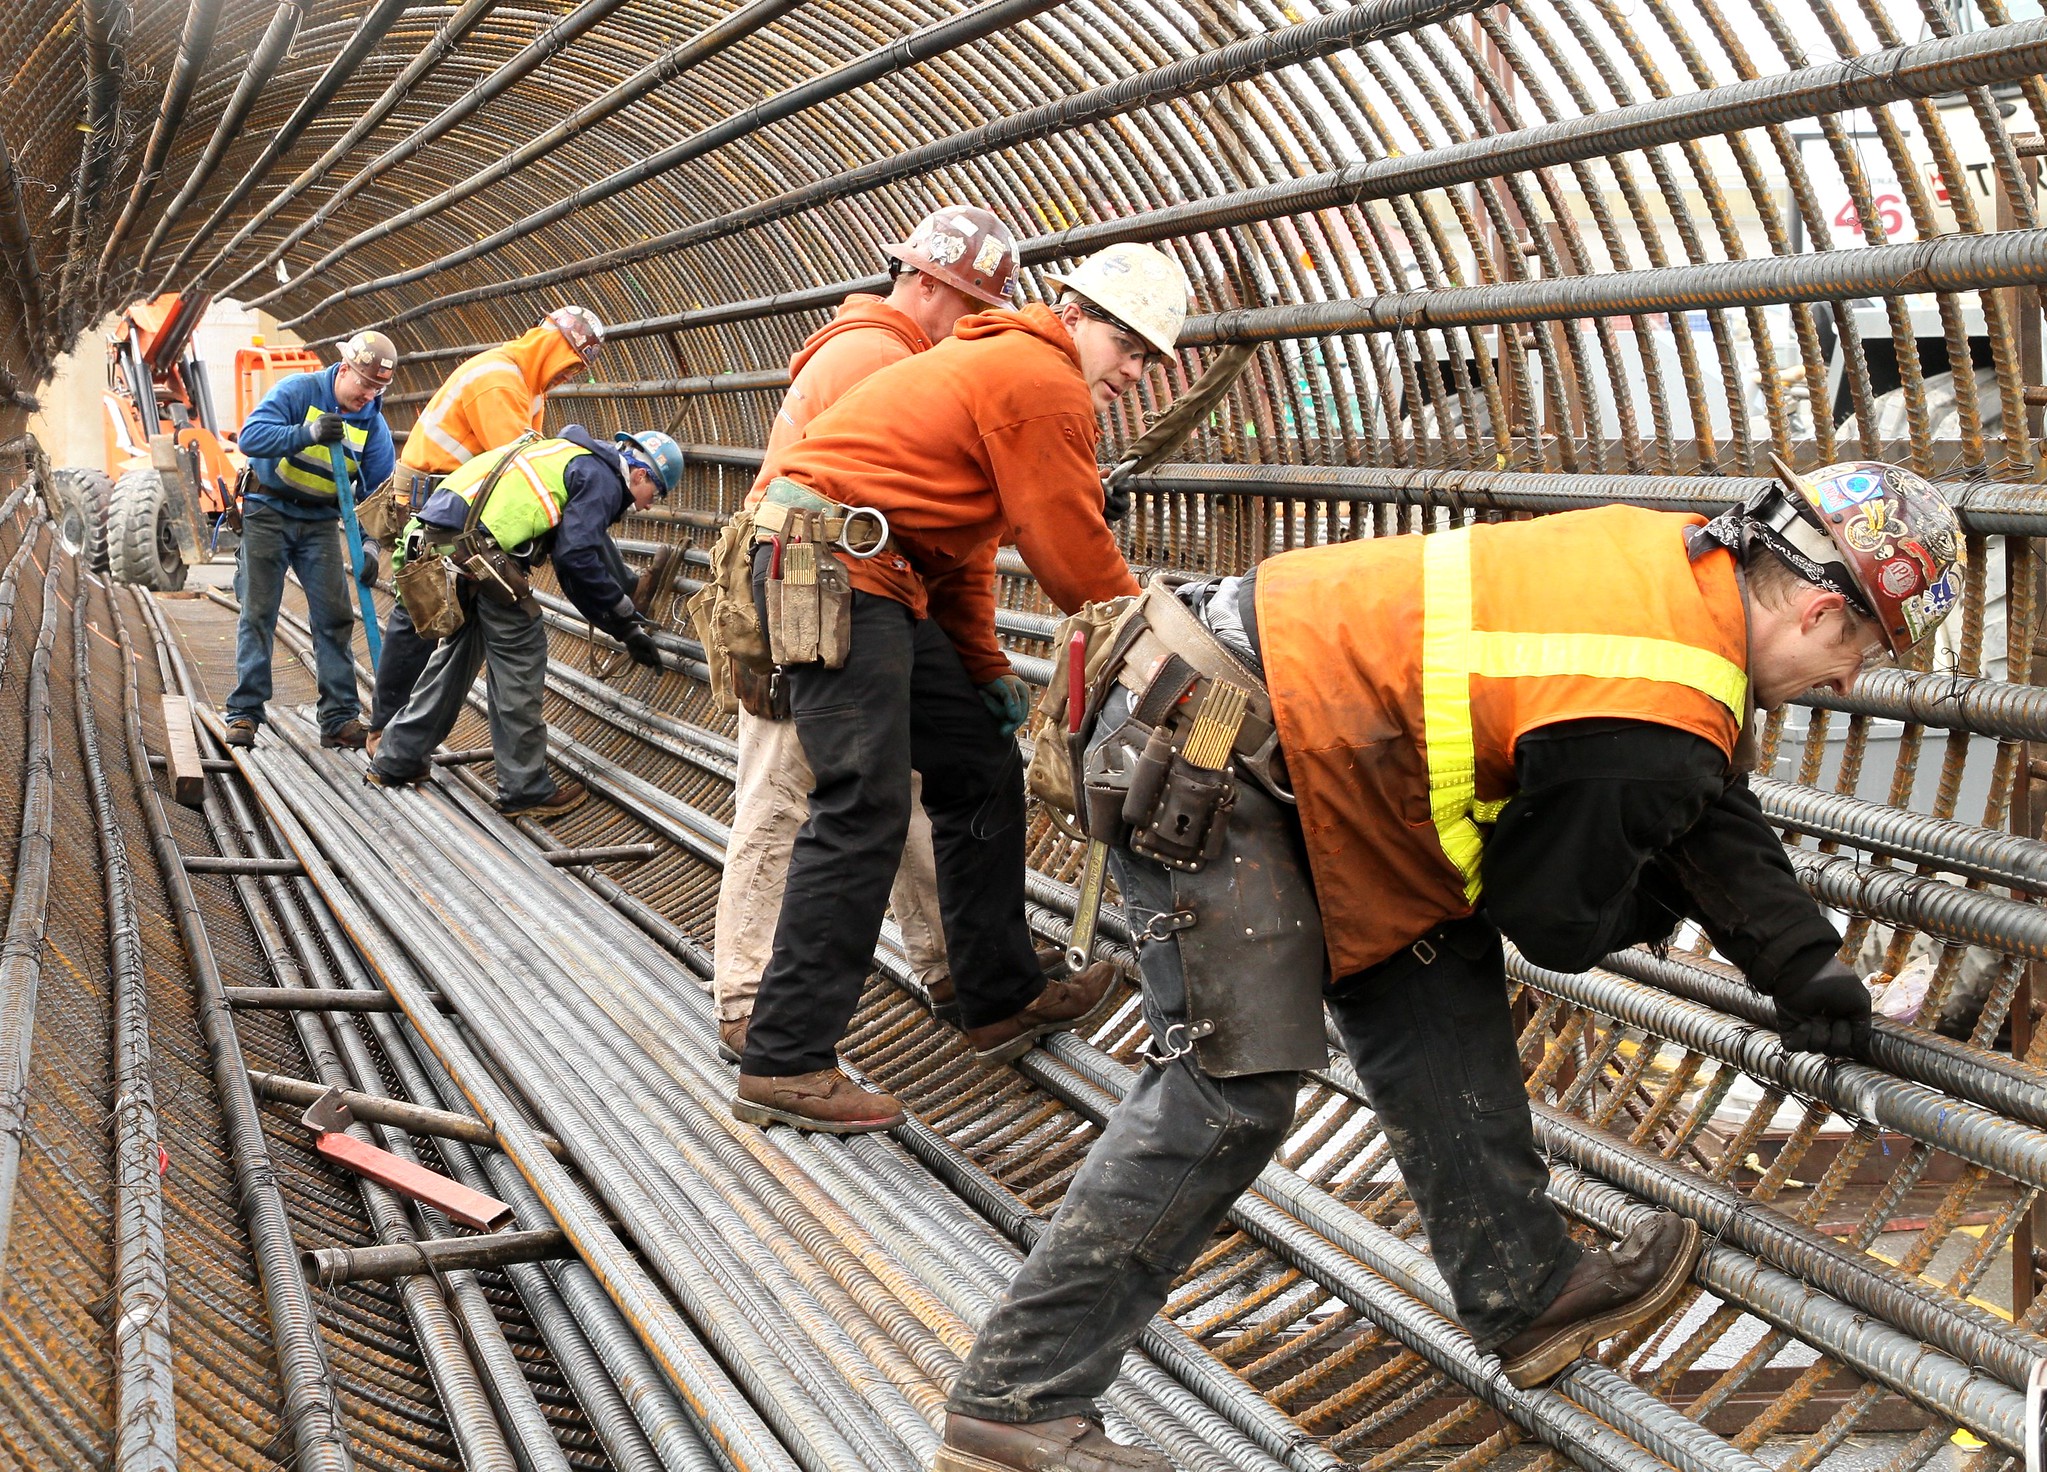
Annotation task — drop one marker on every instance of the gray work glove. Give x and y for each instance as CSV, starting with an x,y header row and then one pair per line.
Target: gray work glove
x,y
641,646
1828,1012
1008,700
328,429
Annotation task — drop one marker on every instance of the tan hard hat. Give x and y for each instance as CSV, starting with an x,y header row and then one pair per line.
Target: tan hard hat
x,y
371,354
964,247
1140,286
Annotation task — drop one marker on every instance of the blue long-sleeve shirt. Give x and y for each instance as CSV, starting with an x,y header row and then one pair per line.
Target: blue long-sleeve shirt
x,y
279,432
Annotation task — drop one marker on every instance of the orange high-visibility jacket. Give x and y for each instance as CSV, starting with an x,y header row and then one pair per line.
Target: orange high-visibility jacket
x,y
489,401
1403,670
867,334
989,437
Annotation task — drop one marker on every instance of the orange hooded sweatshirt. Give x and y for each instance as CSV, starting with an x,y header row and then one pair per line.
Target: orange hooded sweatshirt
x,y
988,438
867,334
490,400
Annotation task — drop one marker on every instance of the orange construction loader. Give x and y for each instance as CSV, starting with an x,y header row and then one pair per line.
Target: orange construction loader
x,y
168,493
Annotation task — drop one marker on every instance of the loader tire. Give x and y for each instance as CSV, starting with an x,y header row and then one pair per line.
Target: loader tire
x,y
142,533
82,495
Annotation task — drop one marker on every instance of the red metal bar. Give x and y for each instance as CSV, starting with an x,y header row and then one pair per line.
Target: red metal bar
x,y
451,1198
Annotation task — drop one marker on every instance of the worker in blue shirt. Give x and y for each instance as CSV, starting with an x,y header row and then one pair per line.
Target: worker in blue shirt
x,y
291,519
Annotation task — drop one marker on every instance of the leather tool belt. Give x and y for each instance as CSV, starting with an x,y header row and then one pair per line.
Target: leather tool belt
x,y
858,531
1163,786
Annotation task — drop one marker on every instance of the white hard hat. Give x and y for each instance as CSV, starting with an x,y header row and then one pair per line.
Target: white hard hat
x,y
1140,286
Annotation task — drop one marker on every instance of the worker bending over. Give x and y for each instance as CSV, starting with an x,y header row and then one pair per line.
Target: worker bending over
x,y
486,403
928,466
958,260
1535,729
292,520
502,512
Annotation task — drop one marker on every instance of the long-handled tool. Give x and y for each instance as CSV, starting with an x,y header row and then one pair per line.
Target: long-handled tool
x,y
1088,912
344,492
329,1118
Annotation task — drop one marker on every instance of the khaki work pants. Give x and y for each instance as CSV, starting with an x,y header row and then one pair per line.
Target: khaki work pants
x,y
770,802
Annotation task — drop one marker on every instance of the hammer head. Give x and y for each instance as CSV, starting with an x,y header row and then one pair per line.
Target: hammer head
x,y
328,1114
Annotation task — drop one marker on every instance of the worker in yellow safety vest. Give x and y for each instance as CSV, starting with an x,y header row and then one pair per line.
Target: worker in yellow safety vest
x,y
535,500
1345,777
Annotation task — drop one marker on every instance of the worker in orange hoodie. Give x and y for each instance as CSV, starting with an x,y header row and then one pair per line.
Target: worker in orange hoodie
x,y
934,283
487,402
919,472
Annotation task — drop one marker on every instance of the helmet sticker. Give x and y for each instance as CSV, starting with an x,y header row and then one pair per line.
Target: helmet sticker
x,y
1842,491
1928,568
1866,531
1899,577
989,256
942,246
965,226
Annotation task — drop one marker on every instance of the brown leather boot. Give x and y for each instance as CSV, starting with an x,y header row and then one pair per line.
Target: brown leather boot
x,y
1066,1003
348,736
1610,1289
826,1101
568,796
945,1002
732,1039
1070,1444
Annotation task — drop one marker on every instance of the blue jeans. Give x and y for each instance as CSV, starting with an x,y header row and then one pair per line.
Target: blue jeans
x,y
273,542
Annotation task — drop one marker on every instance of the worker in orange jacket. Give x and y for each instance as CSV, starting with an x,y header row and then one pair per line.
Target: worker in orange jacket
x,y
1535,730
487,402
934,284
989,437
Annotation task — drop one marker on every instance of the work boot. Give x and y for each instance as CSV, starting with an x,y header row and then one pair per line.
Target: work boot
x,y
371,740
945,1002
241,731
376,776
826,1101
1070,1444
1066,1003
1609,1290
660,574
348,736
566,799
731,1039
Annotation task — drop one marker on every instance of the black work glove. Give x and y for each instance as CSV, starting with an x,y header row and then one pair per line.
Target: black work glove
x,y
641,646
328,429
1115,502
1828,1012
372,564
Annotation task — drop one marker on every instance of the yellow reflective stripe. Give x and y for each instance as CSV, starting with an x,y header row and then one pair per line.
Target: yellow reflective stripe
x,y
1446,700
354,436
1453,653
1611,657
530,464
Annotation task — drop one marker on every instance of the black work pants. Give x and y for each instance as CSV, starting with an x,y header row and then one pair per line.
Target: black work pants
x,y
1434,1046
399,667
902,700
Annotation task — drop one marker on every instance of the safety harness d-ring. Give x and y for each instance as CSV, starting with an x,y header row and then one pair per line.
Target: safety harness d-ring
x,y
853,515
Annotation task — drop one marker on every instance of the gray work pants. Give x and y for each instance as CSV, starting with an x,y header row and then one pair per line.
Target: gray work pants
x,y
515,644
1434,1046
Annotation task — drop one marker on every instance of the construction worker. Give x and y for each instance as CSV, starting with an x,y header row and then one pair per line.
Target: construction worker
x,y
934,284
918,472
553,499
487,402
1533,729
292,520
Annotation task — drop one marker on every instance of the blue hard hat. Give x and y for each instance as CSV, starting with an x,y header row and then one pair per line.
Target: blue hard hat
x,y
660,454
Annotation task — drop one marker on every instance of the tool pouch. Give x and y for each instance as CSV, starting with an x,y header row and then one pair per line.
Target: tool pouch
x,y
382,514
1105,788
498,575
1054,774
430,588
722,611
765,697
810,603
1178,813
